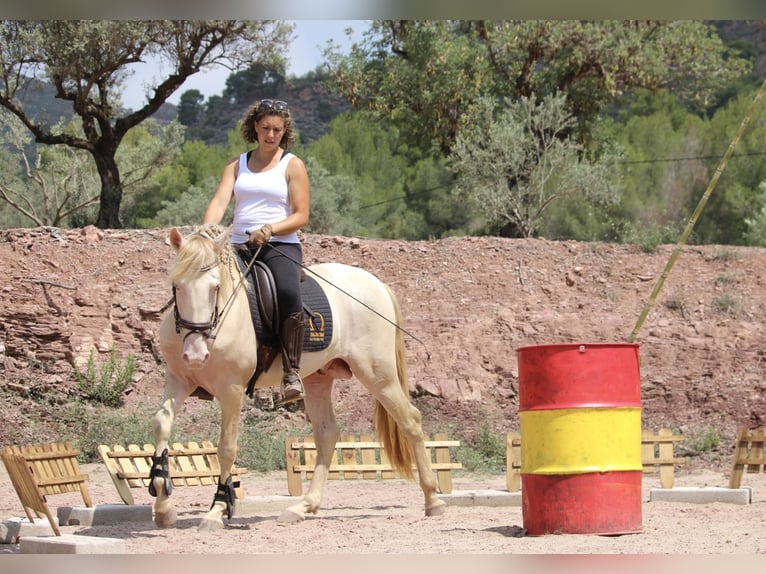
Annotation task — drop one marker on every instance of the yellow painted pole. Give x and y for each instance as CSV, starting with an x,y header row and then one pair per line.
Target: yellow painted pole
x,y
696,214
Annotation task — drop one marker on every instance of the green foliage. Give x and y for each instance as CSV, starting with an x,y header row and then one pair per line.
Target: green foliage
x,y
755,222
434,211
375,165
425,76
486,453
417,86
87,62
259,448
334,202
106,383
190,207
190,106
196,171
436,71
528,160
649,236
87,426
732,214
43,185
703,440
257,79
654,192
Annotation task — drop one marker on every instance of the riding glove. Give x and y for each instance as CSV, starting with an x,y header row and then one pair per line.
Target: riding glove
x,y
261,236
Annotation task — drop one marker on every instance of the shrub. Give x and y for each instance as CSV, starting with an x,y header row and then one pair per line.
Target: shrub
x,y
89,426
106,384
704,440
485,453
728,304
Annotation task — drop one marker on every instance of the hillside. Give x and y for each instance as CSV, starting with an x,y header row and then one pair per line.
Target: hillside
x,y
471,303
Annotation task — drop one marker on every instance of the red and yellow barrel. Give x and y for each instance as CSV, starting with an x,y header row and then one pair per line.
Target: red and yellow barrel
x,y
580,411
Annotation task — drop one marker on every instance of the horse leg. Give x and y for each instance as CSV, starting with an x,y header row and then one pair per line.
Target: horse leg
x,y
160,485
223,502
319,408
407,417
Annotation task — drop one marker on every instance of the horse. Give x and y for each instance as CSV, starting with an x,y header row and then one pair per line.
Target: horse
x,y
208,340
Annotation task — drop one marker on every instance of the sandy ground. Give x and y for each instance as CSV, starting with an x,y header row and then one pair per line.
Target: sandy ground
x,y
386,517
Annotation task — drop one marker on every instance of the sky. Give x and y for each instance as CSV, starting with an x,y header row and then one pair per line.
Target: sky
x,y
305,55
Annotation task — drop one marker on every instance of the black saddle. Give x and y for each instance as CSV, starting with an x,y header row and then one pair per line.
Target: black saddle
x,y
264,310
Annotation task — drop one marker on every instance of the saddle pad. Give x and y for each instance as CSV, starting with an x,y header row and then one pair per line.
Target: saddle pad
x,y
318,316
318,333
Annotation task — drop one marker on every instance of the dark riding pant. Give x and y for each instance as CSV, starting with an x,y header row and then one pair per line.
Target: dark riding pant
x,y
284,260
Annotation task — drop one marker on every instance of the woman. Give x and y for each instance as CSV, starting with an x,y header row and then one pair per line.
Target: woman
x,y
270,187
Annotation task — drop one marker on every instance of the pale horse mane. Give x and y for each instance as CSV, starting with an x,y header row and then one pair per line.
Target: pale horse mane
x,y
198,252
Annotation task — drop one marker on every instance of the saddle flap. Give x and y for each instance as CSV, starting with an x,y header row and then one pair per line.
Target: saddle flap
x,y
267,296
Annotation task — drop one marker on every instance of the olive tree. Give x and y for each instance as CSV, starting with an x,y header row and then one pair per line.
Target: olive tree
x,y
526,160
59,185
424,76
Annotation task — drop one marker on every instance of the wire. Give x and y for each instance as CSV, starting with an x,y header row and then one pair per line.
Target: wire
x,y
693,158
347,294
616,162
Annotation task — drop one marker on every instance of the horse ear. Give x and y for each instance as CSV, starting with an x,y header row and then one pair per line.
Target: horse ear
x,y
221,240
176,239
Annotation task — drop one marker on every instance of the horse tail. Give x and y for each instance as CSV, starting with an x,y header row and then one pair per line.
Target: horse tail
x,y
395,442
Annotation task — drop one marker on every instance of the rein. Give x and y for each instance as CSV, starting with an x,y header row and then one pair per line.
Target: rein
x,y
205,329
242,277
208,328
349,295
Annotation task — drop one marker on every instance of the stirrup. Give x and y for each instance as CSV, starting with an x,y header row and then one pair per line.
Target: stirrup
x,y
292,388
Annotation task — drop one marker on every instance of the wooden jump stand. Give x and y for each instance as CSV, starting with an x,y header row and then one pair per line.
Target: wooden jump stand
x,y
656,453
190,465
748,455
362,458
38,471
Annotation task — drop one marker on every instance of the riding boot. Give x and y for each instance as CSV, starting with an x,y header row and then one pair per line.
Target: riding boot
x,y
292,346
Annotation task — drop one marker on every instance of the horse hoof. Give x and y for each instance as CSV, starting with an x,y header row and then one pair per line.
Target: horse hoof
x,y
209,525
437,509
165,519
290,516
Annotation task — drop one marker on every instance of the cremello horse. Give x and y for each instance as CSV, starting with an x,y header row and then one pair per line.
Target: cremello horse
x,y
208,341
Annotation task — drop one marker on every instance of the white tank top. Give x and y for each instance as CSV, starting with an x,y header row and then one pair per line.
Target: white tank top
x,y
260,198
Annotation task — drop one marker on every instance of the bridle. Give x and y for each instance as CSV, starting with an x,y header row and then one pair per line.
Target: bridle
x,y
205,329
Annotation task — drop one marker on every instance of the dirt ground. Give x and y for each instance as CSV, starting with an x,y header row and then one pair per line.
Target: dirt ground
x,y
386,517
470,303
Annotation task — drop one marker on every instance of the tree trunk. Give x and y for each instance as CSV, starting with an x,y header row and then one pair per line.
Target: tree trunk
x,y
111,191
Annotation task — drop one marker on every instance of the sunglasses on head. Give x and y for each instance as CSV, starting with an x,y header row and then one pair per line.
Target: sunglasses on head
x,y
277,105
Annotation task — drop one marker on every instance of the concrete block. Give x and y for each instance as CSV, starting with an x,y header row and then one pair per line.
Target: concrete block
x,y
256,504
482,498
14,528
71,544
702,495
103,514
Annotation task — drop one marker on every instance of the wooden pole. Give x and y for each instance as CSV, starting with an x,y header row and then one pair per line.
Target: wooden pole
x,y
696,214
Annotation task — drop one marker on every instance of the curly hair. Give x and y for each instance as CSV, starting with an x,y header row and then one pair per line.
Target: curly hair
x,y
254,114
